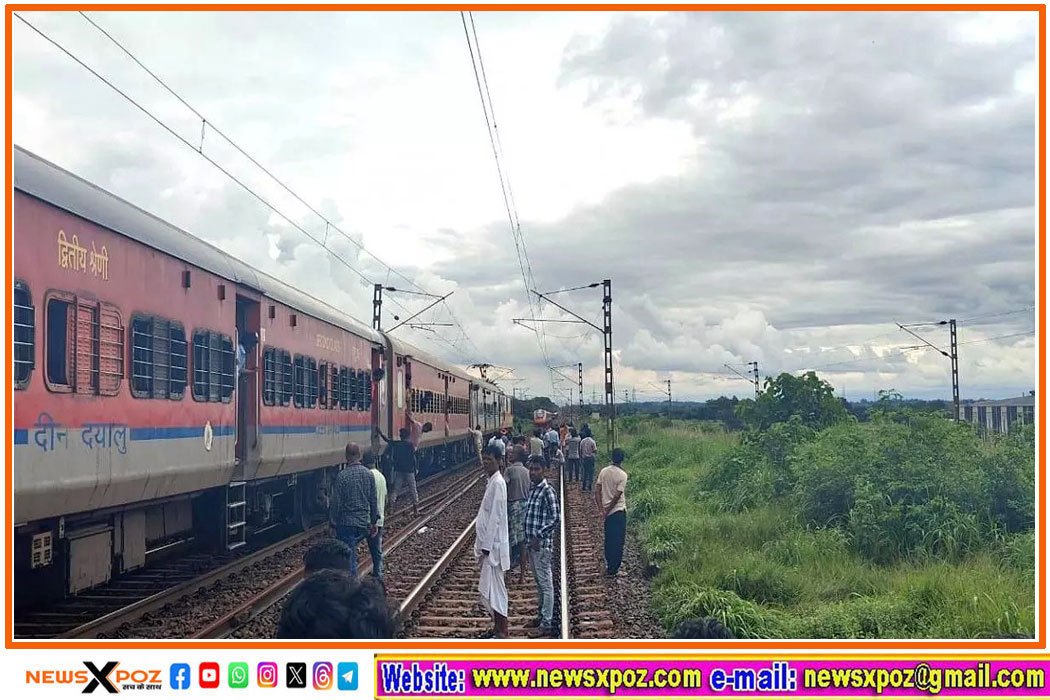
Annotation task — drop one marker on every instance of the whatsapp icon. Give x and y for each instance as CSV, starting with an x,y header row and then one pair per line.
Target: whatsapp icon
x,y
238,674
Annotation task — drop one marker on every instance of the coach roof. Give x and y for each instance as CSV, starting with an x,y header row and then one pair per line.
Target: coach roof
x,y
46,181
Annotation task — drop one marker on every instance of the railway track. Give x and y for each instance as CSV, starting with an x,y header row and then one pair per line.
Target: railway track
x,y
445,602
144,603
406,557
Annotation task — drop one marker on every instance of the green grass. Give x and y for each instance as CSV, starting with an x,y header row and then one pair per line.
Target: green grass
x,y
757,566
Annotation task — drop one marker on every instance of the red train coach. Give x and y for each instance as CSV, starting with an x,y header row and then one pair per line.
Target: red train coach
x,y
133,425
165,392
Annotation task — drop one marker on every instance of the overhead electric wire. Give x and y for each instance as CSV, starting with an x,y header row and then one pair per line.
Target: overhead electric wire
x,y
524,265
249,190
997,315
264,169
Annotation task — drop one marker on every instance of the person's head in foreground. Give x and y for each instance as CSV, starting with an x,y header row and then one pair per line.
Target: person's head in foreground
x,y
330,605
329,553
702,628
537,469
491,458
617,456
353,453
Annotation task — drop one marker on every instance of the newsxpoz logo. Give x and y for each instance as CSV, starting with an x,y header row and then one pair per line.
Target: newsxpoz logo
x,y
109,677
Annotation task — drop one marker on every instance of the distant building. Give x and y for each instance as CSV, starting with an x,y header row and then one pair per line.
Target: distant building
x,y
999,416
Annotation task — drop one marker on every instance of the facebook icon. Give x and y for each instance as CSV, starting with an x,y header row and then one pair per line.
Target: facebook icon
x,y
180,676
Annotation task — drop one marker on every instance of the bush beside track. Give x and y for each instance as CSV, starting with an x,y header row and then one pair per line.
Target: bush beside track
x,y
906,526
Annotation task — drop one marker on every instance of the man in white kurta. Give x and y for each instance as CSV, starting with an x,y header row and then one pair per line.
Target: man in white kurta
x,y
492,545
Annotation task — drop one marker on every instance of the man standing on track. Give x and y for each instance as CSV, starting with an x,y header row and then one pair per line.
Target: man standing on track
x,y
588,450
536,443
492,546
551,438
612,482
572,455
354,509
518,486
375,542
541,519
403,457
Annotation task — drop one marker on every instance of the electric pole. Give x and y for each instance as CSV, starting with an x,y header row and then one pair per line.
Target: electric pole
x,y
610,397
579,366
754,370
955,365
377,306
605,330
953,356
668,398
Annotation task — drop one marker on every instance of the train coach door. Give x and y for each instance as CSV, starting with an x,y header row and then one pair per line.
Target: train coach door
x,y
248,338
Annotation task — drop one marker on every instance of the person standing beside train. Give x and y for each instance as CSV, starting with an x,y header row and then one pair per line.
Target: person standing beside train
x,y
403,457
354,508
588,451
479,439
375,542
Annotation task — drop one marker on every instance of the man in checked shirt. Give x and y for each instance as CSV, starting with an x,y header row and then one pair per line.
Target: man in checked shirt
x,y
354,505
541,518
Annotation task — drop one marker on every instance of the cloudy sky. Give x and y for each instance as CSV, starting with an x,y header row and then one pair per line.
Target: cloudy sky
x,y
777,187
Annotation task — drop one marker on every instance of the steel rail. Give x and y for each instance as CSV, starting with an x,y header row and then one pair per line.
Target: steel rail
x,y
248,611
566,632
130,613
413,600
113,620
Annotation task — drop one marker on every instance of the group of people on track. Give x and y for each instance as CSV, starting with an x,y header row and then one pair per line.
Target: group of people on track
x,y
515,528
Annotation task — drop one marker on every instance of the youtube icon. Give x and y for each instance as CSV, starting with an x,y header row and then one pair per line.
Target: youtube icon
x,y
209,675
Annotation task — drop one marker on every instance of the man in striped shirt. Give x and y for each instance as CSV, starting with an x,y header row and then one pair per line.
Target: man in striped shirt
x,y
541,520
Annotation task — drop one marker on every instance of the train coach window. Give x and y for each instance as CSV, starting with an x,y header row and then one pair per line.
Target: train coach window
x,y
322,385
299,382
305,382
24,336
365,378
311,383
353,390
287,381
61,337
344,389
213,367
84,346
277,377
158,358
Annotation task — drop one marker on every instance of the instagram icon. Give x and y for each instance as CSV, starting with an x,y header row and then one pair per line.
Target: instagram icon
x,y
322,675
266,674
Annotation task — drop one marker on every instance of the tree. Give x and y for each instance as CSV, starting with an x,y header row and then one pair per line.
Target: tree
x,y
808,397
